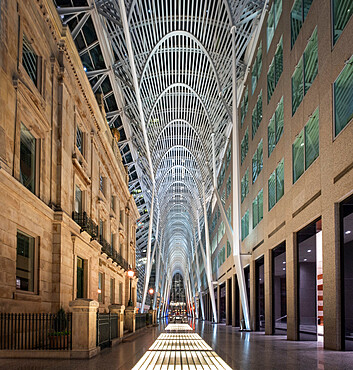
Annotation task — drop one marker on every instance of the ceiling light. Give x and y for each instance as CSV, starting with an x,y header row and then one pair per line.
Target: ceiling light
x,y
348,232
305,259
309,250
284,262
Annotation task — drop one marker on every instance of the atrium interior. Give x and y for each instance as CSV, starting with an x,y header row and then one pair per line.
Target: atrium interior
x,y
178,184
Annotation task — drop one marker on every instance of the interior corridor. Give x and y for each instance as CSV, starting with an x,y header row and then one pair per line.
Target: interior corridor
x,y
240,350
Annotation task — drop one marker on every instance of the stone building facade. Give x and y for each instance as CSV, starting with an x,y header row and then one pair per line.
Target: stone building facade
x,y
67,219
297,177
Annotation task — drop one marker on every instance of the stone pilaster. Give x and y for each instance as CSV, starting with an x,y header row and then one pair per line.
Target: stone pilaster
x,y
119,310
130,318
84,330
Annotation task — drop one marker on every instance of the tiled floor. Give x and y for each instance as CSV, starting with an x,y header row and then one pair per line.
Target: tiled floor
x,y
244,351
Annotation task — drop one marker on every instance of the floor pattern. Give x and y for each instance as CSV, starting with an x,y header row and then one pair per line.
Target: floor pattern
x,y
179,349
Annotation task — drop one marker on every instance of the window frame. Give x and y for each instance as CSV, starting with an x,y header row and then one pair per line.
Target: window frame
x,y
36,246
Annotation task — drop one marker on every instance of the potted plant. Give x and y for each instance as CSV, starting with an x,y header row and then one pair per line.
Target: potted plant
x,y
59,336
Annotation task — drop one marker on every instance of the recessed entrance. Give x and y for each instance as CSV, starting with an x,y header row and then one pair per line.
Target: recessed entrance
x,y
310,282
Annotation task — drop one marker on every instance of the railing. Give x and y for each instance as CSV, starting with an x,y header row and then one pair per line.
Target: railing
x,y
86,223
113,254
39,331
107,329
140,320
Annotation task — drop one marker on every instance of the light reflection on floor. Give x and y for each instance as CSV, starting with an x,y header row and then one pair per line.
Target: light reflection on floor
x,y
179,349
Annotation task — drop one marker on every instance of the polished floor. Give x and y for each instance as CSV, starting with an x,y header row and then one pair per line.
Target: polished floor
x,y
246,351
178,349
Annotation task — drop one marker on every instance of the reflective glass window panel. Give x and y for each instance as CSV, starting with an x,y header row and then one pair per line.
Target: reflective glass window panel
x,y
100,287
280,180
298,156
27,159
270,26
297,86
343,95
260,204
80,278
342,11
255,213
271,134
296,20
254,122
278,11
279,61
279,120
270,81
311,61
312,139
229,249
272,190
25,262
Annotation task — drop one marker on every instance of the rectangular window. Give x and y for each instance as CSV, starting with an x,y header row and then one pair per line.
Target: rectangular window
x,y
112,203
30,60
101,183
100,287
245,185
228,155
245,225
275,127
305,148
221,175
342,11
257,67
229,185
27,159
276,185
112,291
244,106
272,20
78,200
101,229
244,146
305,72
25,262
79,139
257,209
120,293
257,115
343,97
214,243
275,70
229,214
229,249
257,162
297,17
80,278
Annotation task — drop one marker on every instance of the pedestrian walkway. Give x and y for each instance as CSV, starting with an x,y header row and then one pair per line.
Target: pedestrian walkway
x,y
180,349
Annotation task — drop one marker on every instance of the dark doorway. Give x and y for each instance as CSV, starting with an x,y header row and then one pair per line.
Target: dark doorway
x,y
80,277
308,275
237,302
222,303
230,298
346,218
279,291
260,294
247,282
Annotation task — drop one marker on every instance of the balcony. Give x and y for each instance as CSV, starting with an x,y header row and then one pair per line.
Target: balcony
x,y
86,223
113,254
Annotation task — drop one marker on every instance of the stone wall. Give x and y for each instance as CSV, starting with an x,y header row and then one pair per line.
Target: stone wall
x,y
52,109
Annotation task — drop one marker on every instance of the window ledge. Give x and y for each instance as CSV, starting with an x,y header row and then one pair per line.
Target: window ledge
x,y
26,296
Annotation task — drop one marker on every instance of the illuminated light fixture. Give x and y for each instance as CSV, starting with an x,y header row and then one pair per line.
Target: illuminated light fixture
x,y
305,259
348,232
309,250
151,291
99,291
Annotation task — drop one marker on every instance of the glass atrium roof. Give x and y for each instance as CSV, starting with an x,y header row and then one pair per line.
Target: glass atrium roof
x,y
164,69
